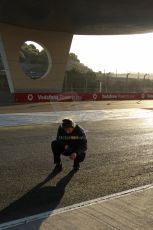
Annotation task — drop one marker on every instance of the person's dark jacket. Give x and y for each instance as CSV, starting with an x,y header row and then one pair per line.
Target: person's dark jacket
x,y
76,141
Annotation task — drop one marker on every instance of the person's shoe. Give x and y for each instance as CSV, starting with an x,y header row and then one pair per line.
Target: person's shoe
x,y
58,168
76,167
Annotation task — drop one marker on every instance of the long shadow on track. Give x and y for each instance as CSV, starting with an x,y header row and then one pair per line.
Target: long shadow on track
x,y
40,199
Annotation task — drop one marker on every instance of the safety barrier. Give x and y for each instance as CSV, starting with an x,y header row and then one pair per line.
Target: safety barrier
x,y
44,97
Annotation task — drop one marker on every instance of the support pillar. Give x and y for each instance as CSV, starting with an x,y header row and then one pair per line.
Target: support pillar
x,y
57,45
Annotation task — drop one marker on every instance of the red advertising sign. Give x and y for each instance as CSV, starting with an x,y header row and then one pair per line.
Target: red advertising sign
x,y
44,97
120,96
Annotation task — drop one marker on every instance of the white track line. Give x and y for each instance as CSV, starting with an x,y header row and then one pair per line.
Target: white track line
x,y
45,215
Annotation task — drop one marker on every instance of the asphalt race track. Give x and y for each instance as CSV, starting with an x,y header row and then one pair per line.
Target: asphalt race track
x,y
119,157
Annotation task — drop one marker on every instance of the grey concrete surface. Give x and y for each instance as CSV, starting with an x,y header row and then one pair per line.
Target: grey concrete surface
x,y
133,211
81,17
130,212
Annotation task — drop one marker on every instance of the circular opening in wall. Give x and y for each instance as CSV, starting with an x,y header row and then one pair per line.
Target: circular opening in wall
x,y
35,60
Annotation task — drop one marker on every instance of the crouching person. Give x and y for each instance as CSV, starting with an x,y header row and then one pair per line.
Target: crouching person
x,y
71,141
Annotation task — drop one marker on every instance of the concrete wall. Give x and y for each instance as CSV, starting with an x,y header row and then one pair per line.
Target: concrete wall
x,y
6,98
56,43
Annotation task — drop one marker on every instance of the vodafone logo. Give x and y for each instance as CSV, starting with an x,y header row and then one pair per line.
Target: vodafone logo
x,y
30,97
94,96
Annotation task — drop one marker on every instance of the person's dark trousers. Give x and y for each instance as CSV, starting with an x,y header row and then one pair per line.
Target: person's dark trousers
x,y
58,149
79,159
